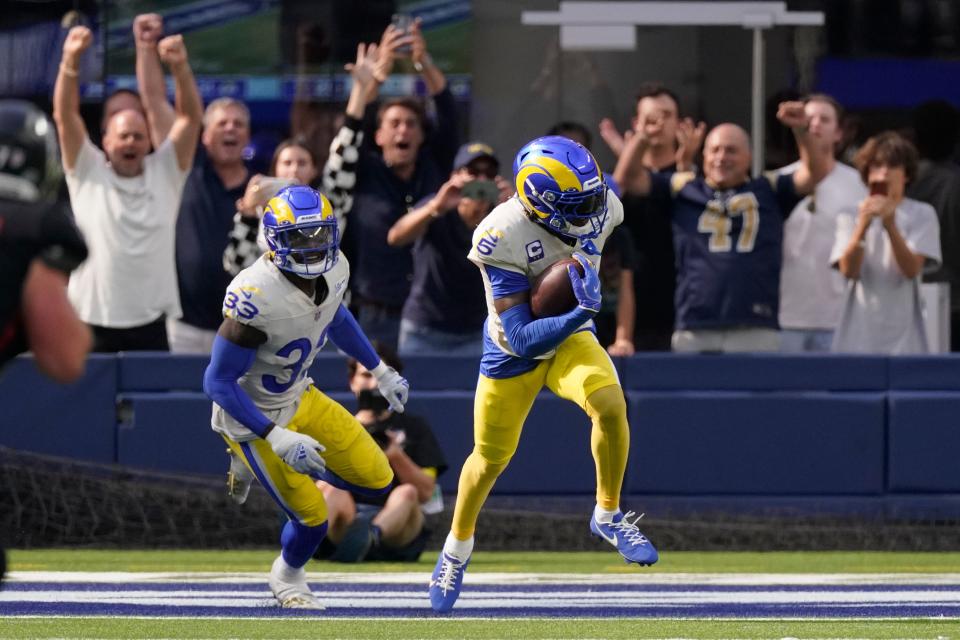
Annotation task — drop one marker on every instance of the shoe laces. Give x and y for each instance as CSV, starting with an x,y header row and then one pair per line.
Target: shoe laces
x,y
629,529
449,569
301,601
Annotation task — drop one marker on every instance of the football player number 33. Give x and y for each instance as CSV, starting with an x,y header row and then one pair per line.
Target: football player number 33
x,y
718,222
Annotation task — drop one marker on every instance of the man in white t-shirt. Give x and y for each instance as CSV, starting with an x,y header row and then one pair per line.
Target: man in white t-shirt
x,y
811,293
125,200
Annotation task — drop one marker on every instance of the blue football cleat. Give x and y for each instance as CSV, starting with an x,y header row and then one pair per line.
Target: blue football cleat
x,y
626,537
446,581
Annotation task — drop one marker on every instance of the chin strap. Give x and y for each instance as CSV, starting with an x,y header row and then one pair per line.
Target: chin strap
x,y
589,248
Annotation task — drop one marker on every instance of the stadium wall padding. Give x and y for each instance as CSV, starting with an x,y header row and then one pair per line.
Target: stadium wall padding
x,y
756,426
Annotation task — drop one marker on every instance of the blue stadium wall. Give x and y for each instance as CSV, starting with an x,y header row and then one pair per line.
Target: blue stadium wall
x,y
853,432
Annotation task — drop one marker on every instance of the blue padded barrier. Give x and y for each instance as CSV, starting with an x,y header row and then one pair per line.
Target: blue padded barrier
x,y
754,372
171,432
160,371
425,373
76,420
756,443
553,456
764,429
924,441
925,373
329,372
441,373
450,416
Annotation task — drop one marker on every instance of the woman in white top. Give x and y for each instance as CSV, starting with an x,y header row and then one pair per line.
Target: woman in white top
x,y
882,251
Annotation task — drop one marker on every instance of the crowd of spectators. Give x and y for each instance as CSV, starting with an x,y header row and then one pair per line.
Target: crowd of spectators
x,y
815,256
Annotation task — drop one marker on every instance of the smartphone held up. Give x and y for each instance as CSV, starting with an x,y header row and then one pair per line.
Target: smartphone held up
x,y
403,22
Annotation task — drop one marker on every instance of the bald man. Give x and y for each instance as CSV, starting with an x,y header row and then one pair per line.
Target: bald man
x,y
125,200
727,234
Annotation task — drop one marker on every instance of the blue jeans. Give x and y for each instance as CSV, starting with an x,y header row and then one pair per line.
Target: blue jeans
x,y
806,340
416,340
379,323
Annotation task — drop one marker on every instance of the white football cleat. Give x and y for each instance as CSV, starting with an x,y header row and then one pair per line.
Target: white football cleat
x,y
239,479
289,585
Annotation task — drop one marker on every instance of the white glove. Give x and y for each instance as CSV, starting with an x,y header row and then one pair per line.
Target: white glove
x,y
393,386
298,450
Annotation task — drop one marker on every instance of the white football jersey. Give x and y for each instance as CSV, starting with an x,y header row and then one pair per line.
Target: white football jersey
x,y
296,328
510,240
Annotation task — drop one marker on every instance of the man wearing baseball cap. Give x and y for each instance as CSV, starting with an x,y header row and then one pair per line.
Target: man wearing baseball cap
x,y
445,310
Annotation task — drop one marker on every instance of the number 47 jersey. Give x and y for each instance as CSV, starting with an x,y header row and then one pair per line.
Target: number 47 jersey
x,y
296,327
728,249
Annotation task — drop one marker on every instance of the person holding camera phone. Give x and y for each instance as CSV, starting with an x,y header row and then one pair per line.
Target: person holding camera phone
x,y
445,310
375,180
391,527
882,251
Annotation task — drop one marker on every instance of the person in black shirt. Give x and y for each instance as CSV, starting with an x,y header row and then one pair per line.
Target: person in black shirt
x,y
376,181
39,247
672,143
446,307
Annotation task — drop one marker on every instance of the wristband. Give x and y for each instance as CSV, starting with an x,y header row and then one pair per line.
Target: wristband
x,y
67,70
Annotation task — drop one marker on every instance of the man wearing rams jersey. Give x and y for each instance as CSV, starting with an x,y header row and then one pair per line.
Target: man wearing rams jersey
x,y
728,234
278,314
562,208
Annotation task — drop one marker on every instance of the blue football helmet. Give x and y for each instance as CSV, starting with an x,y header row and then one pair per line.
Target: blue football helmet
x,y
301,230
559,182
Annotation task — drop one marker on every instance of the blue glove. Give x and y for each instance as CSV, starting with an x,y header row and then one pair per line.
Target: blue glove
x,y
587,287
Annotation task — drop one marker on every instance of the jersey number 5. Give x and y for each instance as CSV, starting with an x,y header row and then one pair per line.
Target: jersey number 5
x,y
718,222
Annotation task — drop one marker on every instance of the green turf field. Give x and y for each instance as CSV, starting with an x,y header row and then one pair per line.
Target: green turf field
x,y
429,626
506,561
485,629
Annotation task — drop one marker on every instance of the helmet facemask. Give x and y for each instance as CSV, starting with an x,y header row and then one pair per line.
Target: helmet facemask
x,y
301,230
559,183
576,214
308,249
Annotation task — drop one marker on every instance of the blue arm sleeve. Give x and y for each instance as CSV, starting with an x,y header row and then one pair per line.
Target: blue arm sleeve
x,y
530,338
504,283
228,363
347,334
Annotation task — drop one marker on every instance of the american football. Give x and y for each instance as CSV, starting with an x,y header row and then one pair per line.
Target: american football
x,y
551,293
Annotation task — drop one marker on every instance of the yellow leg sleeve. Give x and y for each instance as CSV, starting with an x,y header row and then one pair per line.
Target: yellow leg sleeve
x,y
499,410
610,442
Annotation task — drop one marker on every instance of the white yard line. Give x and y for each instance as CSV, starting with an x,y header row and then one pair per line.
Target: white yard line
x,y
712,579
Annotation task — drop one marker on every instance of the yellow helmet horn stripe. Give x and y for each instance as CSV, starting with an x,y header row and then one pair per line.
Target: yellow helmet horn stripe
x,y
325,207
565,177
281,211
522,176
